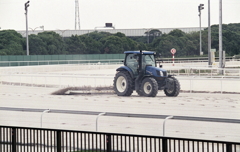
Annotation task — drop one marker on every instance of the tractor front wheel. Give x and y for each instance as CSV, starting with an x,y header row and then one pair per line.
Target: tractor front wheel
x,y
172,87
149,87
123,84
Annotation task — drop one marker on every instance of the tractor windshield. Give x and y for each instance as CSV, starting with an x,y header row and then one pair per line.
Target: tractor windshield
x,y
149,60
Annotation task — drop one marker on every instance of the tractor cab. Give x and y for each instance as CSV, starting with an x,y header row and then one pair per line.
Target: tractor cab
x,y
137,61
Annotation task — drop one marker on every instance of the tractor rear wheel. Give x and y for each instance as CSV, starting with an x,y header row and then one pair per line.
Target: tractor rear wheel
x,y
149,87
173,87
123,84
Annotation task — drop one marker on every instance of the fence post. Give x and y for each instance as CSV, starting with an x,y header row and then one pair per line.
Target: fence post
x,y
14,140
109,141
59,140
228,147
164,145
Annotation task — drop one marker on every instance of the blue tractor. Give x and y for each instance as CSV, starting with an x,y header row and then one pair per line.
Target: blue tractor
x,y
140,73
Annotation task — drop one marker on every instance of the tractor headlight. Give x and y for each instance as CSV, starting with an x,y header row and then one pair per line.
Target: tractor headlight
x,y
161,73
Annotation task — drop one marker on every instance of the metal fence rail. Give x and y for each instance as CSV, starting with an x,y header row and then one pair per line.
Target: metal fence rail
x,y
19,139
59,62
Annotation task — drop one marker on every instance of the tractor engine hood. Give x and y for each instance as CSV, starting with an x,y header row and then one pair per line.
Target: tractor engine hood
x,y
155,71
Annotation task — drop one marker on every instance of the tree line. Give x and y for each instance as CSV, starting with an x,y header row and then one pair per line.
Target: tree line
x,y
186,44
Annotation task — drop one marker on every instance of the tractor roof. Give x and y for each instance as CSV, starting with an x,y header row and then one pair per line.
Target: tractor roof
x,y
138,52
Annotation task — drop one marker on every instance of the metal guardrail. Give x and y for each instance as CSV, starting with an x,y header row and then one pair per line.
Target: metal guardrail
x,y
205,72
39,76
57,62
128,115
22,139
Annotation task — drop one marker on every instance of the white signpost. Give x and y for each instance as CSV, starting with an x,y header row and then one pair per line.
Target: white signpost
x,y
173,51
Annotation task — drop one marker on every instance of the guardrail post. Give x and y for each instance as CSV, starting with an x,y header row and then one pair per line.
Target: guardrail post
x,y
109,141
169,117
164,145
14,140
48,110
59,140
100,114
228,147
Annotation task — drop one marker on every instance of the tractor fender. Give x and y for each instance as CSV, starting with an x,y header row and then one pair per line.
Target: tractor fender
x,y
145,76
125,68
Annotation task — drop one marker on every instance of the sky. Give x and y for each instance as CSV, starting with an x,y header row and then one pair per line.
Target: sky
x,y
123,14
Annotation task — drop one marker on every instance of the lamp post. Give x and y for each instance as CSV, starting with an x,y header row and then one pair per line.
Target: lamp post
x,y
148,34
62,31
22,33
33,29
42,27
26,11
200,7
220,38
209,36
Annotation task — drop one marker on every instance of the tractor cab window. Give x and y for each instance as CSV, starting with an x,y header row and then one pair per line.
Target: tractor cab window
x,y
148,60
132,62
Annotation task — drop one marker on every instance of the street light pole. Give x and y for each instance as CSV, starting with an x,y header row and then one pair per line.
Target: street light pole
x,y
42,27
62,32
220,38
200,7
209,36
26,6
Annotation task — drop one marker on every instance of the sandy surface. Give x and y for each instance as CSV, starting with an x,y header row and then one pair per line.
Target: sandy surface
x,y
186,104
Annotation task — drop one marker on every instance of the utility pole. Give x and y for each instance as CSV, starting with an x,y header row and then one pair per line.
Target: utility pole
x,y
26,9
77,18
209,36
200,7
220,38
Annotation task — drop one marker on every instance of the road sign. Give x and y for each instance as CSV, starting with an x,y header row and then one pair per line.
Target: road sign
x,y
173,51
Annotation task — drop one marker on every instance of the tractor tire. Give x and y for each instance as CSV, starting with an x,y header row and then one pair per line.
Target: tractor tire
x,y
123,84
173,87
149,87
